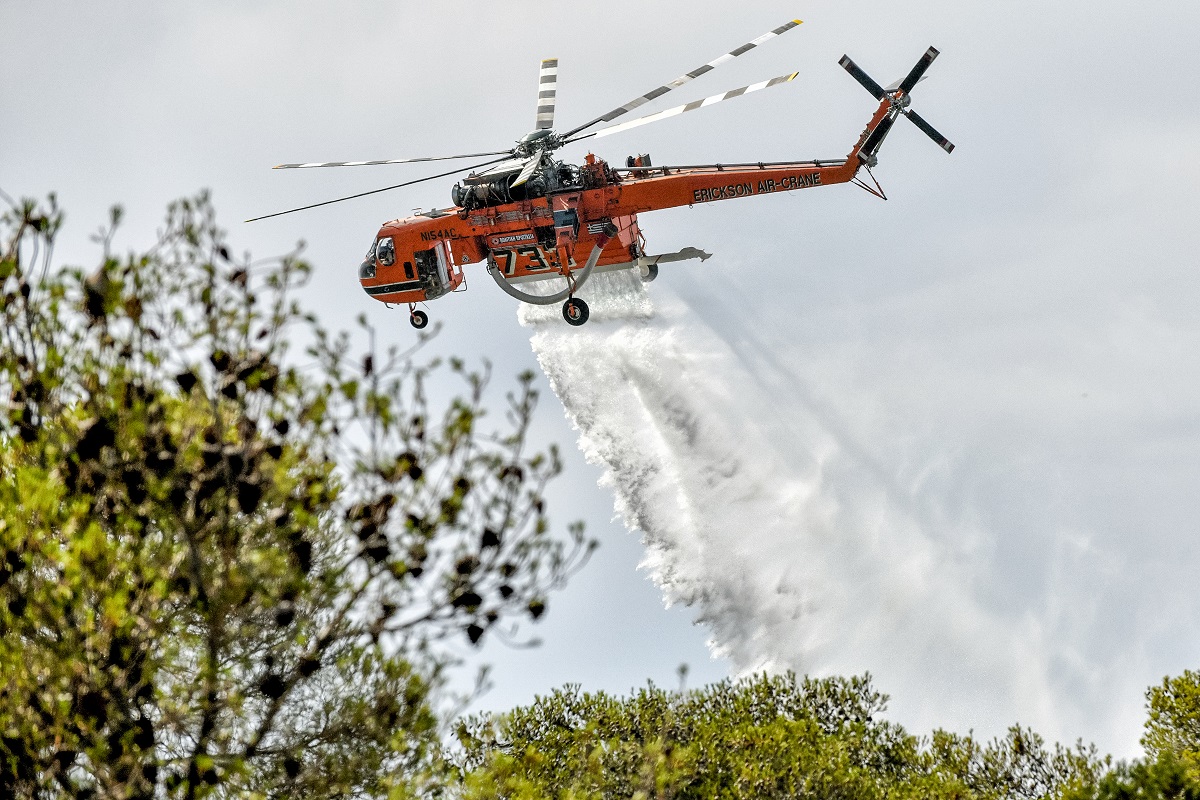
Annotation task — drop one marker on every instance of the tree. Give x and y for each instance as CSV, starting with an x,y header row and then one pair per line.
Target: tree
x,y
761,737
223,573
1173,718
1171,769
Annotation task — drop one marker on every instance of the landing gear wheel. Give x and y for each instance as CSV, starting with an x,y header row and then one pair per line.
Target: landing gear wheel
x,y
575,311
651,273
418,318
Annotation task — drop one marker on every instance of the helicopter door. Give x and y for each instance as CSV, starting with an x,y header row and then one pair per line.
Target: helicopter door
x,y
432,271
443,262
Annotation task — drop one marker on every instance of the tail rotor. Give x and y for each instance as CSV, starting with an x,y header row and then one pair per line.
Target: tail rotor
x,y
899,99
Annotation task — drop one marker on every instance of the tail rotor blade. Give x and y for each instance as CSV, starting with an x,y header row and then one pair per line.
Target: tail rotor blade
x,y
870,85
918,70
547,89
929,130
877,136
894,85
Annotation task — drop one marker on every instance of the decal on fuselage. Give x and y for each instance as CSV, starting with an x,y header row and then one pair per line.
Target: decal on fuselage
x,y
511,239
508,259
433,236
732,190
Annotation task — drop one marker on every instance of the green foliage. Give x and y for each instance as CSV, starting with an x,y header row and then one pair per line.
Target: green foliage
x,y
1018,766
764,737
224,574
1171,770
1162,778
1173,723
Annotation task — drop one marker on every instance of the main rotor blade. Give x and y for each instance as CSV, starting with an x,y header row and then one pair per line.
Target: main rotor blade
x,y
867,82
547,89
377,191
530,167
388,161
918,70
929,130
677,110
682,79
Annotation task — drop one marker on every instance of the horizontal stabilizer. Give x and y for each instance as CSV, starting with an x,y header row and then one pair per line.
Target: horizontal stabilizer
x,y
686,254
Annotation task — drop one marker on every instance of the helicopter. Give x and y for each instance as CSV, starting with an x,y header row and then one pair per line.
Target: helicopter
x,y
533,217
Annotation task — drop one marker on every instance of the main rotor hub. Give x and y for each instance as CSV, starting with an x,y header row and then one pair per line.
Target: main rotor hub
x,y
542,139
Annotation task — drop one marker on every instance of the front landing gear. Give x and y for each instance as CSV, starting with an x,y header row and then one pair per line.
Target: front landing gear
x,y
575,311
418,318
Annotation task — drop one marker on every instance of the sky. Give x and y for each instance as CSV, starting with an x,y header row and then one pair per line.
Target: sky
x,y
951,439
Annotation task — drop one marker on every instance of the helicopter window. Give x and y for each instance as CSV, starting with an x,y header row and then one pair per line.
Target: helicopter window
x,y
367,268
408,270
385,251
567,219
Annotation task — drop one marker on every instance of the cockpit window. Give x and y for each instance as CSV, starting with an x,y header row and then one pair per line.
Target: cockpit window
x,y
385,251
370,256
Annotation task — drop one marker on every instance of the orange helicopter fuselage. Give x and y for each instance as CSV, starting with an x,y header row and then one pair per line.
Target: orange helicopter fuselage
x,y
421,257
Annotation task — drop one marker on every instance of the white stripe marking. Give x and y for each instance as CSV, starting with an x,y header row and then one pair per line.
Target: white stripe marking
x,y
677,110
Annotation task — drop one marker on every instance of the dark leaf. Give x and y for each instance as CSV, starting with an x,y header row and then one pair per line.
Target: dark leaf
x,y
97,435
143,735
302,552
537,608
285,613
272,685
378,551
467,599
135,486
249,495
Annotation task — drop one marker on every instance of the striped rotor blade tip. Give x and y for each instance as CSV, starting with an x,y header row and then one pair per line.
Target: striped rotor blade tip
x,y
694,105
863,78
686,77
311,164
547,93
930,131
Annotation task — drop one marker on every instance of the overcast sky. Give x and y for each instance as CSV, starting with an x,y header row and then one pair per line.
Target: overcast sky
x,y
952,438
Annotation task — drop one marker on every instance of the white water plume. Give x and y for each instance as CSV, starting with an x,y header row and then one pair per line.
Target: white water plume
x,y
794,547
